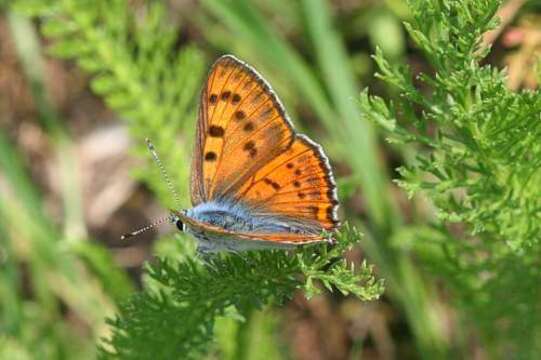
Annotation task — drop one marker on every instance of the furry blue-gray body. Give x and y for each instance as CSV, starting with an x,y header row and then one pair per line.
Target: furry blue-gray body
x,y
234,217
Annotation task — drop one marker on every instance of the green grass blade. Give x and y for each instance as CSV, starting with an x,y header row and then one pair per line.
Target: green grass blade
x,y
356,133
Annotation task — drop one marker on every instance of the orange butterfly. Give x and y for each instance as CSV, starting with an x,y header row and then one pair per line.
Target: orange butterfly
x,y
255,183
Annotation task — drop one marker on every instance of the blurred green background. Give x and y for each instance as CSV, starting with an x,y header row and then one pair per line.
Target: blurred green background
x,y
79,84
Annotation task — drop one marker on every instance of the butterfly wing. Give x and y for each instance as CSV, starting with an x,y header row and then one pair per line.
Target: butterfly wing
x,y
247,151
241,125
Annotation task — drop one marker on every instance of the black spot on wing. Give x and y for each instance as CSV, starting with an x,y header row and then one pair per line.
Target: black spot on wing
x,y
236,99
225,95
240,115
216,131
210,156
248,127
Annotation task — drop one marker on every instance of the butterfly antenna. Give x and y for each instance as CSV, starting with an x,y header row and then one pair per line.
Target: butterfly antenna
x,y
165,176
168,218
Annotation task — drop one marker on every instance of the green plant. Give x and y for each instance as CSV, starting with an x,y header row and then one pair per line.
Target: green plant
x,y
135,68
478,160
175,318
48,269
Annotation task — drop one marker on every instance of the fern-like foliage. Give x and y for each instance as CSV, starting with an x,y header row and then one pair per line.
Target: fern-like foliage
x,y
132,55
175,318
486,140
479,160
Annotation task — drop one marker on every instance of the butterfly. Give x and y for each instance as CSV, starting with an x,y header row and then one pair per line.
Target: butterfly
x,y
255,182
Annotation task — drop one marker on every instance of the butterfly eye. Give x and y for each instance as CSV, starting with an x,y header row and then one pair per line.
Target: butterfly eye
x,y
180,225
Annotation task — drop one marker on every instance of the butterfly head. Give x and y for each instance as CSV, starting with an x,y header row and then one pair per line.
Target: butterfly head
x,y
176,218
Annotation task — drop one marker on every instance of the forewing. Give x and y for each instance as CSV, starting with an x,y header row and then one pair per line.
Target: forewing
x,y
242,126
